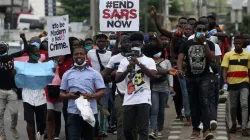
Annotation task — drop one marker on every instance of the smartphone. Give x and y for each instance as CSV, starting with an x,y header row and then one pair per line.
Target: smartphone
x,y
78,93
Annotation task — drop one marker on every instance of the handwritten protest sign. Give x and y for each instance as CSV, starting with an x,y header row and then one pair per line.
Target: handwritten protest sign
x,y
58,36
119,15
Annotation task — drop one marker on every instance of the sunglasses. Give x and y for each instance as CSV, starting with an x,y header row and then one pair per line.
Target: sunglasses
x,y
201,29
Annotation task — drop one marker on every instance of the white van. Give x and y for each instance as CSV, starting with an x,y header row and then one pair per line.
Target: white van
x,y
26,21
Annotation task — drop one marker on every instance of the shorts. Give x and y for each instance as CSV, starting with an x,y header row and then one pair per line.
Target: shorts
x,y
40,111
55,106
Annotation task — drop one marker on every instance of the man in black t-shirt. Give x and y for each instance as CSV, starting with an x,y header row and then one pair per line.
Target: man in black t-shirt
x,y
8,89
199,52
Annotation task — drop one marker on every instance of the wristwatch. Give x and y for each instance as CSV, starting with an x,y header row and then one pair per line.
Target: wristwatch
x,y
205,43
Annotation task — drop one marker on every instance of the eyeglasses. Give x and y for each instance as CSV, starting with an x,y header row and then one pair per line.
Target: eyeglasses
x,y
201,29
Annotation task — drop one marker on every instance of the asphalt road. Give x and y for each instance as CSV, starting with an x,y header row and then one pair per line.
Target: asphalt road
x,y
21,126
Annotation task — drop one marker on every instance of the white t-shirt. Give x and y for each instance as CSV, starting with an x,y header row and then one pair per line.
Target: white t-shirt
x,y
137,90
94,60
34,97
247,49
114,63
217,50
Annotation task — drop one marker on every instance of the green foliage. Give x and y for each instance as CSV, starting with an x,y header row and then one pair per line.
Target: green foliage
x,y
174,10
243,27
78,10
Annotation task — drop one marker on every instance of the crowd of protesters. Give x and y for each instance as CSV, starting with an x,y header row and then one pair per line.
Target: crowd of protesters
x,y
127,77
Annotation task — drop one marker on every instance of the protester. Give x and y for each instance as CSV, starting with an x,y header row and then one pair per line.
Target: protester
x,y
161,87
111,68
8,88
87,82
137,99
237,62
66,64
198,52
34,102
99,58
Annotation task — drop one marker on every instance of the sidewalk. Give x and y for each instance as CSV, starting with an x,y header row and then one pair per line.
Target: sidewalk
x,y
181,132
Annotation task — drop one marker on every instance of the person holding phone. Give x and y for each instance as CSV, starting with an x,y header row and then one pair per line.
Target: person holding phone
x,y
81,80
198,52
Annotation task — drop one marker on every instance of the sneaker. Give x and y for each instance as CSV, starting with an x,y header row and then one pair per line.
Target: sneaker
x,y
39,136
2,137
213,125
195,134
115,132
159,135
104,134
244,133
201,126
14,133
56,138
233,129
152,135
208,135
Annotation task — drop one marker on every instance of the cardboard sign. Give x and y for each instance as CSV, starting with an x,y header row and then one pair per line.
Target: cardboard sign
x,y
58,36
119,15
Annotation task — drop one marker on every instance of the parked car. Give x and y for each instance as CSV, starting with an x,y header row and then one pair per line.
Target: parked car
x,y
26,21
14,47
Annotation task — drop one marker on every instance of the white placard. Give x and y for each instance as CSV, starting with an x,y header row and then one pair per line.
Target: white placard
x,y
58,36
119,15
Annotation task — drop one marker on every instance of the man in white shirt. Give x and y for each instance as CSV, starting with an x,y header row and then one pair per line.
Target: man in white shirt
x,y
99,58
111,68
136,72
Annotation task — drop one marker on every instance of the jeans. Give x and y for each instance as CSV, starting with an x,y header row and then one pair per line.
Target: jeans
x,y
158,110
200,95
78,128
185,98
8,97
234,98
136,116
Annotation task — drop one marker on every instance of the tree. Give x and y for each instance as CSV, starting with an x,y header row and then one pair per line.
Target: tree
x,y
243,27
78,10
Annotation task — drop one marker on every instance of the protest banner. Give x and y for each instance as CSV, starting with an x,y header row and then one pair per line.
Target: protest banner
x,y
119,15
58,36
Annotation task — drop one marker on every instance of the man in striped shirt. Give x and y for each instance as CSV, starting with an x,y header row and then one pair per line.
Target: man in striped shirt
x,y
236,65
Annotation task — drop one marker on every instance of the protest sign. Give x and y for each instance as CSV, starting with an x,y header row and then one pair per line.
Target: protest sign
x,y
119,15
58,36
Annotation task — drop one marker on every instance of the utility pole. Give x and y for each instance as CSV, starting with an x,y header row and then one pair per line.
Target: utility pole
x,y
204,8
92,17
145,16
12,14
248,7
166,19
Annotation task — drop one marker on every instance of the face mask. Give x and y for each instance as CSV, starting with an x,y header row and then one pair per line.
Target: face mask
x,y
88,47
112,42
34,57
199,34
83,64
157,55
137,51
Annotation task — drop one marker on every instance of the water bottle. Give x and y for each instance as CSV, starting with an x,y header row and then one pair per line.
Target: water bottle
x,y
225,87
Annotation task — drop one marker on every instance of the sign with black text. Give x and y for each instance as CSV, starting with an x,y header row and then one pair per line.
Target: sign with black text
x,y
58,36
119,15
